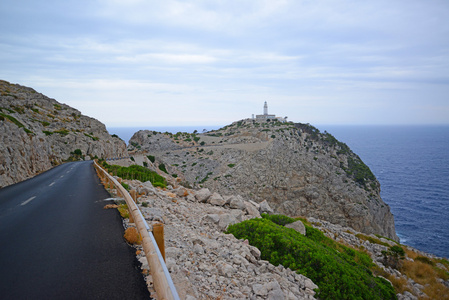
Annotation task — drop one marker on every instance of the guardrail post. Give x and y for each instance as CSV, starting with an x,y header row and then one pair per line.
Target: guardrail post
x,y
133,194
130,217
158,232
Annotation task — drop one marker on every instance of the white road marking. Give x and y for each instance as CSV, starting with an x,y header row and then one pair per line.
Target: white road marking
x,y
27,201
52,183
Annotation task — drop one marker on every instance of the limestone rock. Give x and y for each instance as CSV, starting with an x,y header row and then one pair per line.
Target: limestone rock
x,y
251,209
216,199
298,226
202,195
236,202
264,207
37,133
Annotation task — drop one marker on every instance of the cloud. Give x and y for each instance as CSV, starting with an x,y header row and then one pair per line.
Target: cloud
x,y
325,62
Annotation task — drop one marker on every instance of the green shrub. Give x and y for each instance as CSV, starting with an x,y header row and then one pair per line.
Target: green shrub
x,y
231,165
78,152
340,272
162,168
145,164
359,171
151,158
126,186
132,158
278,219
47,132
136,172
425,260
62,132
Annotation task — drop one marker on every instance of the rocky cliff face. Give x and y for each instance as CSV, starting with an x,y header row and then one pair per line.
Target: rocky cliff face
x,y
297,169
37,132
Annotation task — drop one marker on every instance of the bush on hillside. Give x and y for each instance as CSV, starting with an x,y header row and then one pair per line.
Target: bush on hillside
x,y
339,271
136,172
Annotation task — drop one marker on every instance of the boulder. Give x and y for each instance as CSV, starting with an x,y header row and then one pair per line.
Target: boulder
x,y
237,202
298,226
265,208
226,220
251,209
202,195
216,199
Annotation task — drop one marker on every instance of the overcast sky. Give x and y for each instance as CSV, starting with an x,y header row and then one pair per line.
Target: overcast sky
x,y
181,63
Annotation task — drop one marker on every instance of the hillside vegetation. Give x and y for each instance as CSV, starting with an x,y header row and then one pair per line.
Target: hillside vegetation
x,y
299,170
339,271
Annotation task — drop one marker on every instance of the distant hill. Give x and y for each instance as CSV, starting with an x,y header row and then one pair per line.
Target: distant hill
x,y
296,168
37,132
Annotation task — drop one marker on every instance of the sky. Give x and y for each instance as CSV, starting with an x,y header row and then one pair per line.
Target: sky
x,y
186,63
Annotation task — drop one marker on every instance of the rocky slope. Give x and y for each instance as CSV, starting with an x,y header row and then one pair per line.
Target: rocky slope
x,y
297,169
206,263
37,132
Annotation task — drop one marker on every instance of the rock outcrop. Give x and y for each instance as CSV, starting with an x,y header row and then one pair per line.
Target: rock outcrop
x,y
37,132
297,169
206,263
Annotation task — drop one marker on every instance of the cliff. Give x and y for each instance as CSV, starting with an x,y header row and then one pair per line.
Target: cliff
x,y
297,169
37,132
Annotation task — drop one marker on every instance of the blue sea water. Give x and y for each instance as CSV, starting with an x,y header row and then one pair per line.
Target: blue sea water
x,y
412,166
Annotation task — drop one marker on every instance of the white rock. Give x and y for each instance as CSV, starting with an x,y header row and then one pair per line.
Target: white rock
x,y
217,200
212,218
260,290
202,195
251,209
226,220
298,226
265,208
237,202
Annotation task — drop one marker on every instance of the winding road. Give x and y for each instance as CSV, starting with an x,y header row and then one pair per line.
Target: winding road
x,y
57,241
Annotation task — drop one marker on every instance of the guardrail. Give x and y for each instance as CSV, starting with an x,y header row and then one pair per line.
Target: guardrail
x,y
163,284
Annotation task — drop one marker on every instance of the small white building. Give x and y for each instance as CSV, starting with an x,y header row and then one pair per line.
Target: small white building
x,y
266,116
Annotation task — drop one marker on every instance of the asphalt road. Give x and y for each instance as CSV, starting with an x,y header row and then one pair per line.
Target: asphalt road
x,y
57,241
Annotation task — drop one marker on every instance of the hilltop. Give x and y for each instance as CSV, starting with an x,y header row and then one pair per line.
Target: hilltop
x,y
37,133
296,168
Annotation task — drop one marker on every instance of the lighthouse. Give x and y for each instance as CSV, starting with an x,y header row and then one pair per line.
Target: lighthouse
x,y
265,116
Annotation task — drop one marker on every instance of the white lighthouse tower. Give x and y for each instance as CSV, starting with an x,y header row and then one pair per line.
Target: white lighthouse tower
x,y
265,115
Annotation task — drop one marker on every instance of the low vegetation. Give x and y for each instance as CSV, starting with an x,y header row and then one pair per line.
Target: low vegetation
x,y
135,172
132,236
339,271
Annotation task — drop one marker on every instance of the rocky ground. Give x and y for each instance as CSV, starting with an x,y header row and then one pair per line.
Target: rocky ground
x,y
297,169
206,263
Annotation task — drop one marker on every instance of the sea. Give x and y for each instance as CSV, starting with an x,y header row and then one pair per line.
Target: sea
x,y
412,166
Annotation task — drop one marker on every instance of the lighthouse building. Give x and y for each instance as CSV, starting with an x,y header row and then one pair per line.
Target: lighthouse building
x,y
266,116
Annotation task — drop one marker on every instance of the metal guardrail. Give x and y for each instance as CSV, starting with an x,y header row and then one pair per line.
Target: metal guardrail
x,y
163,284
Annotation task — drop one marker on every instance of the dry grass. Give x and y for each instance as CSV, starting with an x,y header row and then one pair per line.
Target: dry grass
x,y
123,210
132,236
108,206
426,275
418,271
410,253
400,284
437,291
